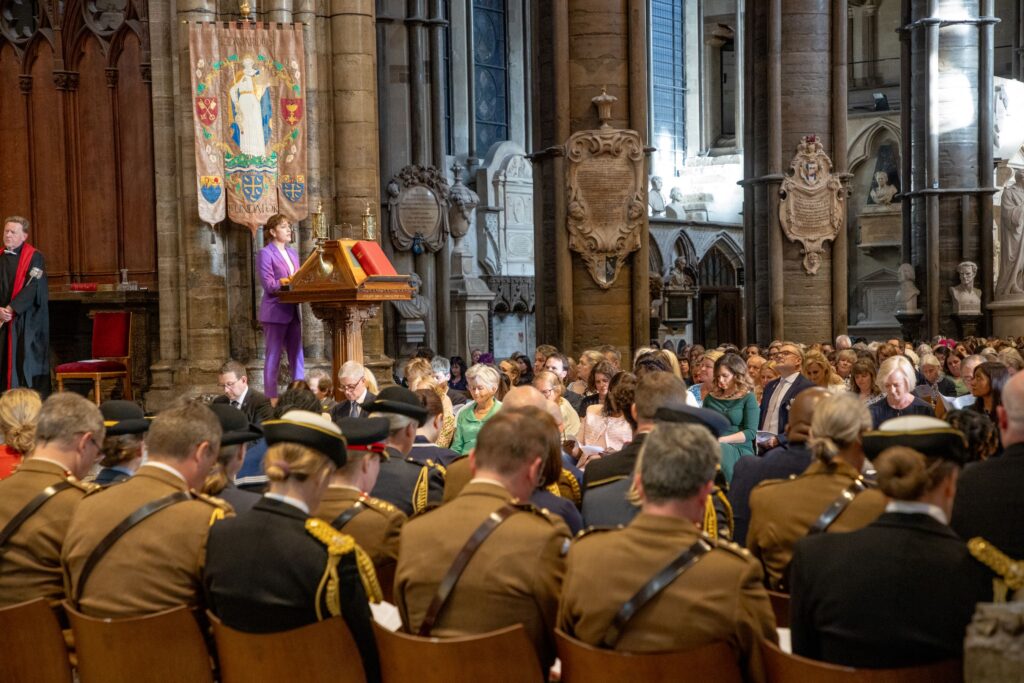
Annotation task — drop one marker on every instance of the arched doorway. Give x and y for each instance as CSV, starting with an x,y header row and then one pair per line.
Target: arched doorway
x,y
720,301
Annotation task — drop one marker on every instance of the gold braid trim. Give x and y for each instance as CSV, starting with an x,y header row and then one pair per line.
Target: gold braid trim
x,y
419,492
710,519
339,544
439,466
368,575
216,515
575,494
1012,571
553,488
447,433
720,494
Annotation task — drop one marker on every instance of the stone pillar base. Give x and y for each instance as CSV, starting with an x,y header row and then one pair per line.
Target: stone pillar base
x,y
471,307
968,324
1007,317
910,325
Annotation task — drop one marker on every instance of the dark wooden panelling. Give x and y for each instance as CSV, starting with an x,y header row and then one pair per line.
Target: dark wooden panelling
x,y
135,130
97,181
50,200
14,172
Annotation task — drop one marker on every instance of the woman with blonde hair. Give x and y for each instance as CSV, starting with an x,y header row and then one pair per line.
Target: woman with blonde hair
x,y
548,384
704,377
19,411
829,496
820,371
897,380
483,381
447,432
314,572
582,385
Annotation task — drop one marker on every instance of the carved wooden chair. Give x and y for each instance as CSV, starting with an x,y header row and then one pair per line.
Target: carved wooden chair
x,y
111,355
783,668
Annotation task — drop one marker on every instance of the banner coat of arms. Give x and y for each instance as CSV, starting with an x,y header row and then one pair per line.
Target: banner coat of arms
x,y
249,114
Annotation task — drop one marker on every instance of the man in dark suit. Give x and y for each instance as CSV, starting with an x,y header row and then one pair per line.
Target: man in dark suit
x,y
234,382
352,382
988,498
789,361
778,463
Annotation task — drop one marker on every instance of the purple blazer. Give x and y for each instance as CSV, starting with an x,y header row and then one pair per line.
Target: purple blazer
x,y
271,268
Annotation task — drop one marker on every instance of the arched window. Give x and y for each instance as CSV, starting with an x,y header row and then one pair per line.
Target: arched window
x,y
490,73
716,270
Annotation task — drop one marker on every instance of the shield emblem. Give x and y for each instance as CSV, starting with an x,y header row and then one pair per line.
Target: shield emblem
x,y
252,185
210,187
291,110
206,110
293,188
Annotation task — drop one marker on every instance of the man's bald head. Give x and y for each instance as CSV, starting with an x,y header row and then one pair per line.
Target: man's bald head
x,y
526,395
801,412
1011,412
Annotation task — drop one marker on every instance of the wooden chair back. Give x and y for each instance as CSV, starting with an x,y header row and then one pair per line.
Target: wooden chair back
x,y
323,652
781,667
780,606
32,647
150,649
582,663
502,656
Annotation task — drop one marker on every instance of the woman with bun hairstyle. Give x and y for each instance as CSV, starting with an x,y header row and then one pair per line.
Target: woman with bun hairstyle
x,y
782,511
901,591
19,412
277,568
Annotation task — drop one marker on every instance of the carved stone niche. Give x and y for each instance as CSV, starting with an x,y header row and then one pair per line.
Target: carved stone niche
x,y
606,194
813,202
418,204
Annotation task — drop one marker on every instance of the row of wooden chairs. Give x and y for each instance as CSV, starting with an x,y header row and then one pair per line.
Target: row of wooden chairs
x,y
170,646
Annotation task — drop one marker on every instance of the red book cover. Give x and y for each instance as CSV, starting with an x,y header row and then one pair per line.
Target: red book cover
x,y
371,257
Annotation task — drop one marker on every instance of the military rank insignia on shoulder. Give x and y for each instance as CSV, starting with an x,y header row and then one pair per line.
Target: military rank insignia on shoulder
x,y
214,501
86,486
734,548
591,531
377,504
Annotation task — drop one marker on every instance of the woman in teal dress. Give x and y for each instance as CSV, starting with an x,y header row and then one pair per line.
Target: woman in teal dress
x,y
733,397
483,384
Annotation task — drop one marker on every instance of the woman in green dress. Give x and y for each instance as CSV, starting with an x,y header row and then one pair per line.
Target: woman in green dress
x,y
733,397
483,384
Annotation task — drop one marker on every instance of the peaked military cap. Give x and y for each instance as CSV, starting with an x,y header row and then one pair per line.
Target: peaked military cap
x,y
235,425
365,433
928,435
679,412
400,401
123,417
308,429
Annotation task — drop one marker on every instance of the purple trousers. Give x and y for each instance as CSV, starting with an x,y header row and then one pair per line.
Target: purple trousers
x,y
289,337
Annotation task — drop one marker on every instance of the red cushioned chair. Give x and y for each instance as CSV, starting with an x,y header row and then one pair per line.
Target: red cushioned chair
x,y
111,354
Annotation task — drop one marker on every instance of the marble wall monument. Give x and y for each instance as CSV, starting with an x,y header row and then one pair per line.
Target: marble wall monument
x,y
606,188
812,206
1008,307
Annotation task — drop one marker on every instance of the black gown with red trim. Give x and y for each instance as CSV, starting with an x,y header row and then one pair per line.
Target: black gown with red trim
x,y
25,341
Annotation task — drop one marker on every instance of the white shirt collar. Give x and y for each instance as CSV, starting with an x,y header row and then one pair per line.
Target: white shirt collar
x,y
288,500
242,397
166,468
908,507
789,379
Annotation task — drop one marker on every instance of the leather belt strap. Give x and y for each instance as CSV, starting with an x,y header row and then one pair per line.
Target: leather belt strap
x,y
838,505
29,510
660,582
444,589
347,516
120,530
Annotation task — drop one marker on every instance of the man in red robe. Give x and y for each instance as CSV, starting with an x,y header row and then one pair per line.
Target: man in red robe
x,y
24,312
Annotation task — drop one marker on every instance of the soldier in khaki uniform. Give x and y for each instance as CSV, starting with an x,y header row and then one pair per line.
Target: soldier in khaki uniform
x,y
372,522
515,574
782,511
68,435
156,564
719,598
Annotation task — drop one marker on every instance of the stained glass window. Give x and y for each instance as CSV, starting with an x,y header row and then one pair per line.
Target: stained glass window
x,y
668,81
490,57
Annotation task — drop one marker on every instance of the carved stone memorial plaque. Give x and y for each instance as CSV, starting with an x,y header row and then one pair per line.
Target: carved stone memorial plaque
x,y
812,207
607,194
418,209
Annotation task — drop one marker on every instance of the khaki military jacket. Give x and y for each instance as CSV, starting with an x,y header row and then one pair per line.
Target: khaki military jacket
x,y
783,510
456,477
30,563
514,577
720,598
375,529
157,565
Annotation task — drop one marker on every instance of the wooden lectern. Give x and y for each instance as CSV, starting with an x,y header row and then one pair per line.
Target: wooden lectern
x,y
342,293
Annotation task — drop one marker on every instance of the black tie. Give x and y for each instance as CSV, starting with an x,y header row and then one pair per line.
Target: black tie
x,y
234,404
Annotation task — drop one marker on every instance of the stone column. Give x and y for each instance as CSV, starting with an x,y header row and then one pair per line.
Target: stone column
x,y
356,154
794,47
582,46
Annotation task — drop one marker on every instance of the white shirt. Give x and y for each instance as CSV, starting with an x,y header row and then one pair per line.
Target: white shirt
x,y
165,468
237,402
908,507
771,420
287,259
288,500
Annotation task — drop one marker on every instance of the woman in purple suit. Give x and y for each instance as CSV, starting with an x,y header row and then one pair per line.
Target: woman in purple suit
x,y
276,264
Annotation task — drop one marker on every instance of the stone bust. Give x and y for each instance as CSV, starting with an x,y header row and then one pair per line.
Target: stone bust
x,y
966,296
884,192
678,277
906,299
675,208
656,200
417,308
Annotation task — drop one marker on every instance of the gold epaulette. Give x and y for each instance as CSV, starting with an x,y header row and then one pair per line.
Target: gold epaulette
x,y
438,466
576,494
553,489
421,490
220,506
85,486
339,544
734,548
1010,571
378,505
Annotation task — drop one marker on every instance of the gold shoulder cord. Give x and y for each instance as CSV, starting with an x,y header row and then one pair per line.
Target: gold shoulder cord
x,y
339,544
419,492
710,519
1011,572
553,489
728,509
574,486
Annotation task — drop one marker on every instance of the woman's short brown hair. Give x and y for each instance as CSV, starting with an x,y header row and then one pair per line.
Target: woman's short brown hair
x,y
272,223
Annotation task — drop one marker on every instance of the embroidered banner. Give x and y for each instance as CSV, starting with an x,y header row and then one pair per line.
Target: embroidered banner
x,y
249,111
